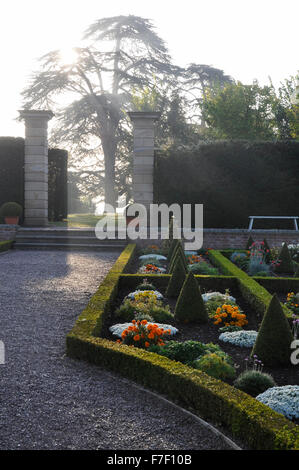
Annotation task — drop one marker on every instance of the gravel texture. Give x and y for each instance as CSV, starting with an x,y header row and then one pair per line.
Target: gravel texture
x,y
48,401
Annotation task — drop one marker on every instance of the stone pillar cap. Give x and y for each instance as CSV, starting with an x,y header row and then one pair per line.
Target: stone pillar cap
x,y
144,115
32,113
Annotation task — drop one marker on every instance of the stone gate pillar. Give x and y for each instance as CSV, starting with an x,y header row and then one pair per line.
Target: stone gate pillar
x,y
143,157
36,167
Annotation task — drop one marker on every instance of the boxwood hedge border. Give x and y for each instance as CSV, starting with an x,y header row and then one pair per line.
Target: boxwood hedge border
x,y
252,422
5,245
251,288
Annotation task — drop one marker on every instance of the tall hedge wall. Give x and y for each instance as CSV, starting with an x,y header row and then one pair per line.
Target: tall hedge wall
x,y
12,176
233,180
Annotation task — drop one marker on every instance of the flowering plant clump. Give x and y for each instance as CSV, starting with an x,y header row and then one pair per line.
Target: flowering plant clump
x,y
145,295
284,400
217,296
195,259
229,315
294,252
142,334
151,269
243,339
292,302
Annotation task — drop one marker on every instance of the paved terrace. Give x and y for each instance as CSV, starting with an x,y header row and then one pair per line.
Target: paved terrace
x,y
48,401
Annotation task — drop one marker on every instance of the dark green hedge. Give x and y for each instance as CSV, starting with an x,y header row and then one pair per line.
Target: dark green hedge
x,y
233,180
5,245
242,415
281,285
12,176
256,295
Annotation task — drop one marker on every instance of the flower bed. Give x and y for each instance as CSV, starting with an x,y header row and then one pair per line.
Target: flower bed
x,y
212,399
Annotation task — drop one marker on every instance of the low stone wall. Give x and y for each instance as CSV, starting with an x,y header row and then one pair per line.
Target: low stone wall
x,y
218,238
237,238
8,232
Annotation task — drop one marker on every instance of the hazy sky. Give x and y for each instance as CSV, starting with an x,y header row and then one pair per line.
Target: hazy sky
x,y
247,39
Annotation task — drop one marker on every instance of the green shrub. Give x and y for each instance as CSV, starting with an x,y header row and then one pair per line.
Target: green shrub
x,y
12,209
203,268
212,304
173,244
272,344
145,286
250,241
190,305
188,351
178,254
296,273
263,274
267,250
143,316
161,314
215,366
129,309
230,328
285,261
177,279
254,382
5,245
126,312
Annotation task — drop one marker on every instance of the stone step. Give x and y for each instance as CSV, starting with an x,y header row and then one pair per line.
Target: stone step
x,y
68,246
70,239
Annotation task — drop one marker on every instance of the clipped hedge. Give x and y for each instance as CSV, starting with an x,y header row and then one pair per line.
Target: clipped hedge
x,y
282,285
254,293
5,245
216,401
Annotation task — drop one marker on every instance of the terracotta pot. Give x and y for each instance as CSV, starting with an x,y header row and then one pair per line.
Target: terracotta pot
x,y
12,220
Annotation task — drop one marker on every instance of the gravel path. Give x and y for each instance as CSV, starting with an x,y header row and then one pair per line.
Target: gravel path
x,y
48,401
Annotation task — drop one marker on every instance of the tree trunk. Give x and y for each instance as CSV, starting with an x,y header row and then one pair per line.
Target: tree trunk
x,y
109,149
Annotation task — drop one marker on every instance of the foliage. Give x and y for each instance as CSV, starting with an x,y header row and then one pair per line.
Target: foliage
x,y
203,268
240,111
229,315
283,400
145,99
11,209
216,302
157,262
292,302
188,351
5,245
285,261
177,253
177,279
215,366
143,334
190,306
143,316
249,243
145,286
232,179
129,308
254,382
229,328
173,245
272,345
241,338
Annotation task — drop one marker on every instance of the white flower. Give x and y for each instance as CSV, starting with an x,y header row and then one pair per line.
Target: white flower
x,y
284,400
120,327
153,256
212,295
242,338
155,293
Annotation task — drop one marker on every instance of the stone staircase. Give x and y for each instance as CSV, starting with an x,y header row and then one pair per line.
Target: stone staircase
x,y
56,238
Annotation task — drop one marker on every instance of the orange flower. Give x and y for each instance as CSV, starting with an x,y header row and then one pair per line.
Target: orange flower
x,y
146,344
143,322
136,338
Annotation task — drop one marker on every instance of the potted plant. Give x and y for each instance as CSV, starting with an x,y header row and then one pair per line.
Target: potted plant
x,y
11,212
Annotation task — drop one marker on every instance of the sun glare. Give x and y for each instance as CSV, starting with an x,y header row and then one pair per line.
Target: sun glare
x,y
68,55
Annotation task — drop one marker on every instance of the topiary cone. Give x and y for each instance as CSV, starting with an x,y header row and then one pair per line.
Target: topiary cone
x,y
178,251
272,345
177,279
177,256
190,306
296,274
249,243
285,261
173,245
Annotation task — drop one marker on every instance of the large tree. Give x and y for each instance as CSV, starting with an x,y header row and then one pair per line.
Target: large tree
x,y
90,95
